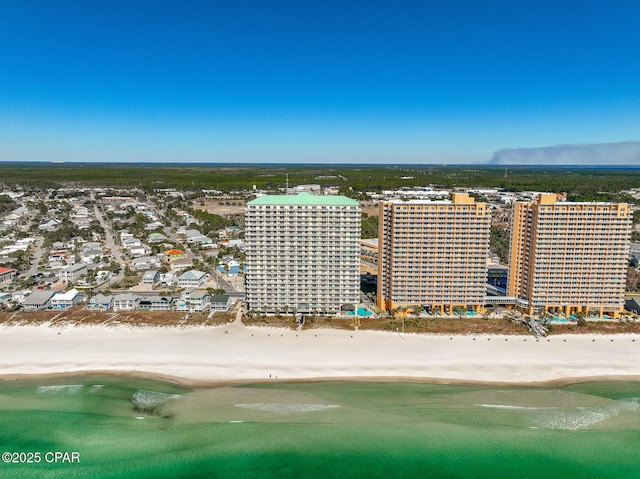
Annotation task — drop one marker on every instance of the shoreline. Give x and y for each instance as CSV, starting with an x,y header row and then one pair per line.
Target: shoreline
x,y
235,354
198,384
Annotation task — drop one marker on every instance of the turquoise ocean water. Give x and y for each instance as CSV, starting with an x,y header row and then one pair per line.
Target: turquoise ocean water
x,y
132,428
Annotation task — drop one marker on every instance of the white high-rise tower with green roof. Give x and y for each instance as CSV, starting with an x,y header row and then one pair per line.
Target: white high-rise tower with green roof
x,y
302,253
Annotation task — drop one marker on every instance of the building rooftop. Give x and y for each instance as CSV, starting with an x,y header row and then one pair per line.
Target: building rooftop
x,y
304,199
66,296
193,274
39,297
219,298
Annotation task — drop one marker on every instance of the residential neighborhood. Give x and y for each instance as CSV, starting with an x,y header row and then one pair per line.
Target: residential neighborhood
x,y
109,250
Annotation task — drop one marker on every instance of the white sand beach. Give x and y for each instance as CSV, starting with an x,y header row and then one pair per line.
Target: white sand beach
x,y
236,353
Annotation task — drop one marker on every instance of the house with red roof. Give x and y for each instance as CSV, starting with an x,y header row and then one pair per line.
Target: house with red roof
x,y
7,274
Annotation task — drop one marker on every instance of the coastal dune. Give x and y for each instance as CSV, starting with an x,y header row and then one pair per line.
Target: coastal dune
x,y
237,353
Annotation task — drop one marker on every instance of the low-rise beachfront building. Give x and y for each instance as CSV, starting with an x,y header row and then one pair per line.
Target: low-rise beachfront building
x,y
220,302
568,258
125,302
433,254
100,302
193,300
37,301
7,274
198,300
156,303
66,299
302,253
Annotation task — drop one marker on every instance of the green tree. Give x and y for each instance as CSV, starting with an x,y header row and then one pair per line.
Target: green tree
x,y
369,226
499,242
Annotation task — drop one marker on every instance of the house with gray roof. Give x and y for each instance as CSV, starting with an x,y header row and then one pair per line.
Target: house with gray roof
x,y
73,272
156,303
125,302
100,302
220,302
37,301
193,300
192,279
150,277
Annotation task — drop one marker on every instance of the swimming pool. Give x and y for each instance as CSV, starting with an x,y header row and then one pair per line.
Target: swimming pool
x,y
361,312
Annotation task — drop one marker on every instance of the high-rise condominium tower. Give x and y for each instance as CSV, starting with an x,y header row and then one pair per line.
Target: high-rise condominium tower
x,y
569,257
433,254
302,253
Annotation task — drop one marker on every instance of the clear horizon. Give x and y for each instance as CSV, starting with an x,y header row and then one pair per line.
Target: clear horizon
x,y
319,82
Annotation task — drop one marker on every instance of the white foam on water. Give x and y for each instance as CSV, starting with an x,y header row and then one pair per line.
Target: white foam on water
x,y
96,388
569,418
509,406
280,408
235,422
573,419
150,399
70,388
139,417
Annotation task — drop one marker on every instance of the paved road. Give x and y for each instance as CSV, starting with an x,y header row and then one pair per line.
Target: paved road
x,y
36,257
111,244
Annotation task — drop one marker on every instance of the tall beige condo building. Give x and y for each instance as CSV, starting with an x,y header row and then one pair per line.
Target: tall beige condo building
x,y
303,253
433,254
569,257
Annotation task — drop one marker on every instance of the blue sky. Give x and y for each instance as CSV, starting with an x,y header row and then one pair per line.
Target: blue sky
x,y
314,81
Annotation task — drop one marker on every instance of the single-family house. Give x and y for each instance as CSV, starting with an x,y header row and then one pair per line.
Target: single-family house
x,y
20,296
167,279
37,301
7,274
198,300
65,299
157,238
220,302
131,242
154,225
150,277
90,245
125,302
145,262
180,264
140,250
193,300
49,225
191,234
192,279
156,303
89,255
100,302
173,254
73,272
